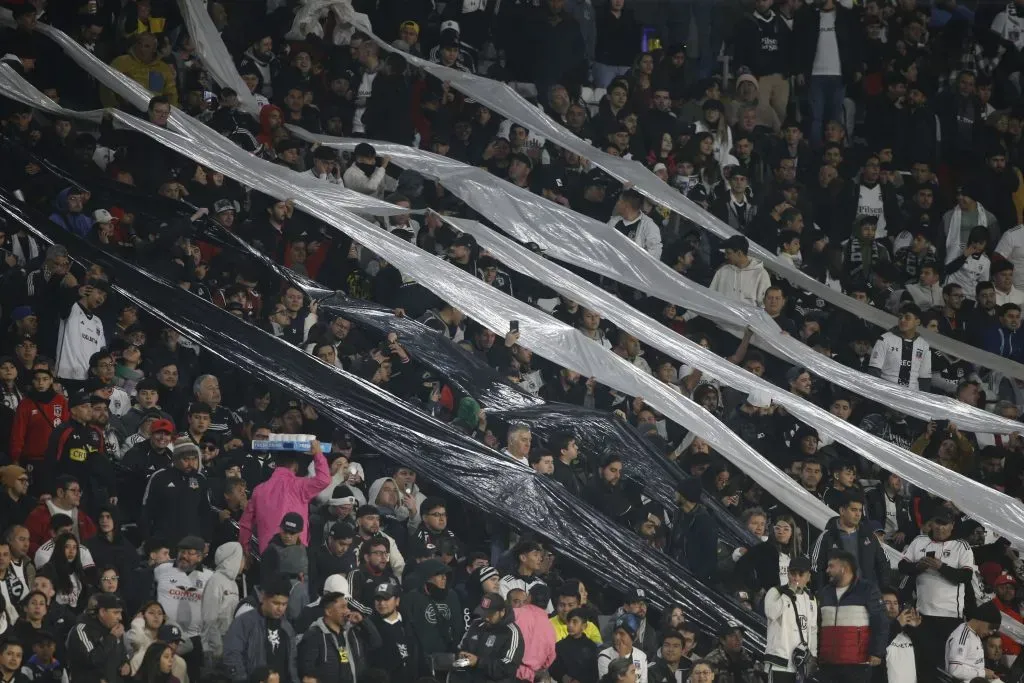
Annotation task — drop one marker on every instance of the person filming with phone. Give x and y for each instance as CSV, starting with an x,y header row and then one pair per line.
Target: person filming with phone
x,y
941,566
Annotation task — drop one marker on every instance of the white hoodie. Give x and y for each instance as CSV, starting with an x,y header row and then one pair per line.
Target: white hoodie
x,y
220,598
747,284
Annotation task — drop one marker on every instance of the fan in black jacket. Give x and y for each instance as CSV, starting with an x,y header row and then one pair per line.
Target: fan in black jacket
x,y
94,653
493,646
397,654
888,496
576,654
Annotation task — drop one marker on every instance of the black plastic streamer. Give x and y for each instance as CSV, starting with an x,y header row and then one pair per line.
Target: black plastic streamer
x,y
456,463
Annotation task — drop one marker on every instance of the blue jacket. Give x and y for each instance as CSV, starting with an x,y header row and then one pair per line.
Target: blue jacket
x,y
78,223
1006,343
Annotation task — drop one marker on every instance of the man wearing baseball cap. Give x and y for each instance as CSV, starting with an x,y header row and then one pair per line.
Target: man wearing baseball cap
x,y
493,647
792,614
95,647
730,657
398,651
942,569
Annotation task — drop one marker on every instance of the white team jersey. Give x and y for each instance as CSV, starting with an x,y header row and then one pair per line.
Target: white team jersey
x,y
965,655
81,335
937,597
181,595
902,361
45,552
605,657
1011,247
974,270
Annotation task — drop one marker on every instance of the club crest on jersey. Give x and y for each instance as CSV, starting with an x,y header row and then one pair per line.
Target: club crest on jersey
x,y
193,483
490,641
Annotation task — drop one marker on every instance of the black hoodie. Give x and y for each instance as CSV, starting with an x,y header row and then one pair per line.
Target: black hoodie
x,y
116,552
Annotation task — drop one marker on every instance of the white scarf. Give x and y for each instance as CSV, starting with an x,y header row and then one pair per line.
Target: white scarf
x,y
953,249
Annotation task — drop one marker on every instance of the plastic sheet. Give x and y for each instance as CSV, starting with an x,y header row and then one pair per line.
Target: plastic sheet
x,y
594,246
563,345
506,101
461,466
217,60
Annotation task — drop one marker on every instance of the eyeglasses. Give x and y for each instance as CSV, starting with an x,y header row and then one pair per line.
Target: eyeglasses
x,y
110,578
436,514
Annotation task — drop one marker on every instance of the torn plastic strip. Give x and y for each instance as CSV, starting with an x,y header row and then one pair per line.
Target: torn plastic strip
x,y
494,314
506,101
461,466
590,244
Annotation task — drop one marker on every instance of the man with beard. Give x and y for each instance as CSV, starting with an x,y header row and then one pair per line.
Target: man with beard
x,y
610,494
100,421
373,570
398,653
849,652
177,502
493,645
434,614
179,590
77,449
368,520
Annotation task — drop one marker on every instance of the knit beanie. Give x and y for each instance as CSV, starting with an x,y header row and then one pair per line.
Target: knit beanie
x,y
10,475
184,447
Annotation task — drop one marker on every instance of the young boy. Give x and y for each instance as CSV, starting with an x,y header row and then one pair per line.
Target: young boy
x,y
789,248
43,665
575,655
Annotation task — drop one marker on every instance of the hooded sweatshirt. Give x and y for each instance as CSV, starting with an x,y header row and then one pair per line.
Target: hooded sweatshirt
x,y
747,284
77,223
38,414
538,641
266,134
220,598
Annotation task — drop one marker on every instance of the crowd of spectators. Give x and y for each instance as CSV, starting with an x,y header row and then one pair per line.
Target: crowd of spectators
x,y
875,145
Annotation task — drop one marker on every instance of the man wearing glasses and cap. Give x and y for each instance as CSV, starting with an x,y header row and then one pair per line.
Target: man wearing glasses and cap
x,y
398,653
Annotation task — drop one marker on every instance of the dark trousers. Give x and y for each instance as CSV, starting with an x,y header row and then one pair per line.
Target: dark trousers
x,y
194,659
934,631
844,673
775,676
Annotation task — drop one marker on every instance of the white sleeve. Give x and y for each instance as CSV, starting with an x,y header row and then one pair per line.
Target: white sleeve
x,y
878,355
913,551
999,24
1004,248
926,364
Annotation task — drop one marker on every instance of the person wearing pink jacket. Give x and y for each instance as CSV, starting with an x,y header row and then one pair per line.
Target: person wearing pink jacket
x,y
538,633
286,491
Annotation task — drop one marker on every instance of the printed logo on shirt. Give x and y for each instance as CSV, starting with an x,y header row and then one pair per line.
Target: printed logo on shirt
x,y
78,454
490,641
343,654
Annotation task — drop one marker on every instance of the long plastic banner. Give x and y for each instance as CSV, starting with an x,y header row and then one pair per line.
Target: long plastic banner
x,y
464,468
565,346
594,246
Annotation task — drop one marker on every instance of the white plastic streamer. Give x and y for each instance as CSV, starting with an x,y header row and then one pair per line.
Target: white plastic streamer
x,y
590,244
551,338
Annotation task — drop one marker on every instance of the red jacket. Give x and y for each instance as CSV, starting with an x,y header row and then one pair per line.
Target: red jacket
x,y
34,420
1010,646
39,532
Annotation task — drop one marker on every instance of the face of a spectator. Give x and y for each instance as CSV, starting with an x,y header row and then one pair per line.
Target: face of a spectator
x,y
612,473
997,162
1007,592
566,604
617,97
1004,280
774,300
810,475
802,384
786,170
369,524
756,525
436,519
145,48
1010,320
851,514
892,605
274,606
908,323
955,298
546,465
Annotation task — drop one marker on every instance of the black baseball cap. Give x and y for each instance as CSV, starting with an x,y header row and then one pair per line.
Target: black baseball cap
x,y
489,604
292,523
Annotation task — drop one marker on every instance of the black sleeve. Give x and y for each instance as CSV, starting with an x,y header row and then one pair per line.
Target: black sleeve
x,y
955,575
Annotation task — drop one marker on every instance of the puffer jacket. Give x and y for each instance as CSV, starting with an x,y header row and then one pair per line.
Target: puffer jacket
x,y
220,598
854,628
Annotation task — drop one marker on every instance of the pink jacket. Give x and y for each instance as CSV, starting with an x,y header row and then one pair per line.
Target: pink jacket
x,y
538,641
284,492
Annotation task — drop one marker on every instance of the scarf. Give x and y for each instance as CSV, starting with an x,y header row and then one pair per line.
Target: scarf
x,y
861,257
953,248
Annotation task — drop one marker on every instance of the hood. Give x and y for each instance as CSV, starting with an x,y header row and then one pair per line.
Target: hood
x,y
765,18
375,487
228,559
265,113
468,413
61,201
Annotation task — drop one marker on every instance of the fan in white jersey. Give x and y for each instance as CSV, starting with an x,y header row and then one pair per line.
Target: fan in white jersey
x,y
901,356
180,585
965,651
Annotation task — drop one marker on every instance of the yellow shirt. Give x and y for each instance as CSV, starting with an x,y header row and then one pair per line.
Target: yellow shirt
x,y
562,630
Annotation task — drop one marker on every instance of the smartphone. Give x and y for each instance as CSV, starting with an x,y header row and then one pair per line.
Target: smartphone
x,y
513,326
930,554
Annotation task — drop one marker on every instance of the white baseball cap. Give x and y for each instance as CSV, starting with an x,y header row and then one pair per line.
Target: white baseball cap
x,y
101,216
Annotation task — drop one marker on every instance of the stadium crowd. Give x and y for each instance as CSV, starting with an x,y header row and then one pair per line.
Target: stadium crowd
x,y
876,145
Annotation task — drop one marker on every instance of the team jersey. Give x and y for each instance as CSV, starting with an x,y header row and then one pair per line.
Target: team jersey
x,y
936,596
965,655
81,335
902,361
181,596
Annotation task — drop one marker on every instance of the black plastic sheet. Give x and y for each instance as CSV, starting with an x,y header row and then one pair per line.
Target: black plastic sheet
x,y
464,468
